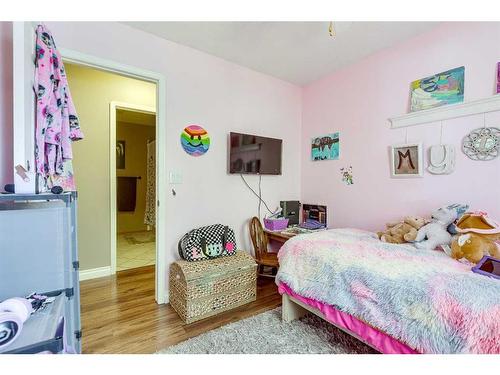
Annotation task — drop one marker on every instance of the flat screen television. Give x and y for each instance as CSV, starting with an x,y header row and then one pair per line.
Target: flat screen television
x,y
252,154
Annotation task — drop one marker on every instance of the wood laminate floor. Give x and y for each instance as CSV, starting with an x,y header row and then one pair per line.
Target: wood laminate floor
x,y
120,315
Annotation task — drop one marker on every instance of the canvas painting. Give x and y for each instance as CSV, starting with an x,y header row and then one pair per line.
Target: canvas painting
x,y
326,147
438,90
407,160
120,154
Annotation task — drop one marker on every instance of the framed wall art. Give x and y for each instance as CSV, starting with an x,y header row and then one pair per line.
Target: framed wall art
x,y
407,160
438,90
120,154
326,147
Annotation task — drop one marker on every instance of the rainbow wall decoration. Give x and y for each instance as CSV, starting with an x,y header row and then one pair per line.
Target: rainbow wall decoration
x,y
437,90
195,140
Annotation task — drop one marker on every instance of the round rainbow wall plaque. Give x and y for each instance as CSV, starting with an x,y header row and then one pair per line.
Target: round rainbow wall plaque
x,y
195,140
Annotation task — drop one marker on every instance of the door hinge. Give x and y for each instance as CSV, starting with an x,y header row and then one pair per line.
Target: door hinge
x,y
158,203
78,334
70,292
76,265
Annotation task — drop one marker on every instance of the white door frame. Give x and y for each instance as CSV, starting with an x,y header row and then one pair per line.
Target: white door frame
x,y
79,58
113,106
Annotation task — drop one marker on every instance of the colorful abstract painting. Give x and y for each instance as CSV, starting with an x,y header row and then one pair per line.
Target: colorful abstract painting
x,y
195,140
326,147
438,90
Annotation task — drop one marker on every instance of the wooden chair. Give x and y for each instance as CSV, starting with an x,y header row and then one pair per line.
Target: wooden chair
x,y
259,241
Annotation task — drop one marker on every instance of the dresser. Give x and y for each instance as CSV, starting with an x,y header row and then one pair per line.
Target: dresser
x,y
38,252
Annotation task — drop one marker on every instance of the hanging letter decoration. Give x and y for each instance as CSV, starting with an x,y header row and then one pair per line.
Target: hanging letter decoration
x,y
441,159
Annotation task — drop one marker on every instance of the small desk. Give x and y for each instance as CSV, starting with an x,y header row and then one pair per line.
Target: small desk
x,y
278,236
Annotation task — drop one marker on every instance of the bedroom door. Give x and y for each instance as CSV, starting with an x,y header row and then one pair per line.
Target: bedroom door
x,y
24,37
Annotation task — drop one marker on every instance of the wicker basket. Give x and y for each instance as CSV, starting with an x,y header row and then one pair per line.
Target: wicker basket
x,y
206,288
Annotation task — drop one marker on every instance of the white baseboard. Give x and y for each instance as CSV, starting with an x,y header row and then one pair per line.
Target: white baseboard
x,y
94,273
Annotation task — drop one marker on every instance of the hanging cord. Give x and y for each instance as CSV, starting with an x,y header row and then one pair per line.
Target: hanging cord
x,y
441,135
260,193
257,195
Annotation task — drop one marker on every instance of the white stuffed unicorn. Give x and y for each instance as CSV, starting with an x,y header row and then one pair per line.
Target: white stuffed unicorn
x,y
435,233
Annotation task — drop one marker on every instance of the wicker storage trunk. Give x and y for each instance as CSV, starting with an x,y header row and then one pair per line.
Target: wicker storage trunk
x,y
209,287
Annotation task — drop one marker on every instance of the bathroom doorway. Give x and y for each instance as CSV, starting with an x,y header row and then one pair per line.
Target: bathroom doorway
x,y
134,214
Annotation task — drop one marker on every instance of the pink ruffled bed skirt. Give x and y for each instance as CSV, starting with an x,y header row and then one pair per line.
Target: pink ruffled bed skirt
x,y
377,339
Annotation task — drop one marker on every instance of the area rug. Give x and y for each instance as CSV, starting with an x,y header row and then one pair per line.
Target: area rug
x,y
140,237
266,333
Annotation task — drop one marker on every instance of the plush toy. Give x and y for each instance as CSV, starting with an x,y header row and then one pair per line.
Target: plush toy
x,y
473,247
477,222
435,232
460,209
476,237
401,232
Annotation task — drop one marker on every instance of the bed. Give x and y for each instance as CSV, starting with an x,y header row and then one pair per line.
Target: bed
x,y
395,298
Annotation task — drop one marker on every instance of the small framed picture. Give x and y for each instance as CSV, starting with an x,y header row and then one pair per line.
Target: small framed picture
x,y
407,160
120,154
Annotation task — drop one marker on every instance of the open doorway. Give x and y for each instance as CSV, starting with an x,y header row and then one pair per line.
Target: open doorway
x,y
135,194
104,92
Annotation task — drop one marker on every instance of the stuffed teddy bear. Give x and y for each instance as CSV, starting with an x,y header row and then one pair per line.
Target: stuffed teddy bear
x,y
401,232
435,233
473,247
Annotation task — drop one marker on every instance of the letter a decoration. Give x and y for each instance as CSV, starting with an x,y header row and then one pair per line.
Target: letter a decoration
x,y
407,160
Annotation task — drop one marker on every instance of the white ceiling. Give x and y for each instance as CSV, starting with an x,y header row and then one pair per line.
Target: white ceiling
x,y
298,52
135,117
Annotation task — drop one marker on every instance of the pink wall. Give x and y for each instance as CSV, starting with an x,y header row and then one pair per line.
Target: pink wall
x,y
5,103
358,100
220,96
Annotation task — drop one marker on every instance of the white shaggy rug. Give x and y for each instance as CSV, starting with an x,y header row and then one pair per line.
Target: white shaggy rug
x,y
266,333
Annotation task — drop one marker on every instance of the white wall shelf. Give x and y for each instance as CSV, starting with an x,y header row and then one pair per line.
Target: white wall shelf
x,y
447,112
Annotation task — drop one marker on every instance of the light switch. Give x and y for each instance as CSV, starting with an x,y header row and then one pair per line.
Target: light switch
x,y
175,177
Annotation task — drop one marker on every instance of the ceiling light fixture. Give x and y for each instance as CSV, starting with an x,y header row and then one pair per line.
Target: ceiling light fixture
x,y
331,29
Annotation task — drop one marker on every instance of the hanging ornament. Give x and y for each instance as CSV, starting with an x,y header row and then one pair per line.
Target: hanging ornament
x,y
331,29
482,144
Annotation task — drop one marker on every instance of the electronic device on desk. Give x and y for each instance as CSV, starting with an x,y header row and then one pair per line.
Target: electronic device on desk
x,y
291,210
312,225
313,217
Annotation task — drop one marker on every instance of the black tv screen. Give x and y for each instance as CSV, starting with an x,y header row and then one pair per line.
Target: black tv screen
x,y
251,154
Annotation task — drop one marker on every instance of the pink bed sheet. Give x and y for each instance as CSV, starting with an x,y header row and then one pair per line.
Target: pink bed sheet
x,y
377,339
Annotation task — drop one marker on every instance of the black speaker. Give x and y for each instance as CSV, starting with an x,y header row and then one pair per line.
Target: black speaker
x,y
291,211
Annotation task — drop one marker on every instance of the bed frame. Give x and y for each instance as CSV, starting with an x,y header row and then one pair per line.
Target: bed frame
x,y
293,309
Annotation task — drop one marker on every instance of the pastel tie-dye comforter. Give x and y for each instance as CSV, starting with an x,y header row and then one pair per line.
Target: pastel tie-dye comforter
x,y
425,299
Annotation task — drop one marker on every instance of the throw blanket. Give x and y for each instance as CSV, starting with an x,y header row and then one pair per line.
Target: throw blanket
x,y
423,298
